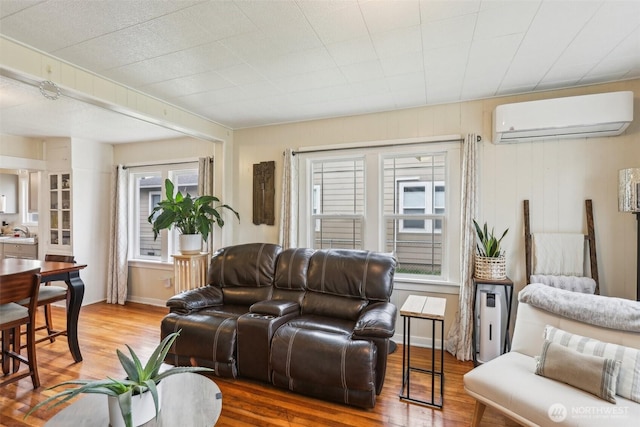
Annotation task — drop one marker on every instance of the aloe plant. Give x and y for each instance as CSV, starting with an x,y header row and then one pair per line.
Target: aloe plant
x,y
188,214
488,245
139,379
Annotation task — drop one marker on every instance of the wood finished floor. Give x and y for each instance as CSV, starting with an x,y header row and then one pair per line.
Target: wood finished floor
x,y
104,327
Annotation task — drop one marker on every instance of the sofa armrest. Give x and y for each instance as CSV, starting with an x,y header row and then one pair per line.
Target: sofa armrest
x,y
195,299
275,308
378,320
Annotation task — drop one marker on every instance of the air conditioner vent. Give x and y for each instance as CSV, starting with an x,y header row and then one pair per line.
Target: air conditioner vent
x,y
604,114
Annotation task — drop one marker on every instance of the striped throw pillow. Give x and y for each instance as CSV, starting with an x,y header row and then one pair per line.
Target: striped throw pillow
x,y
629,377
594,374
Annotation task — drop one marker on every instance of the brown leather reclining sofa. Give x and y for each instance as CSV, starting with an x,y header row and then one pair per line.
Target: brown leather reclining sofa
x,y
317,322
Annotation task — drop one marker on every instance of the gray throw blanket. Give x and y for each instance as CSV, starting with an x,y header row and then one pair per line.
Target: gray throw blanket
x,y
586,285
607,312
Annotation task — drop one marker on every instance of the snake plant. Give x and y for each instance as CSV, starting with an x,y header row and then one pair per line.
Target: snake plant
x,y
488,245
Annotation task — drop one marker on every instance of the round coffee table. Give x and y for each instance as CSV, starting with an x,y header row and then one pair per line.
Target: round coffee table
x,y
187,400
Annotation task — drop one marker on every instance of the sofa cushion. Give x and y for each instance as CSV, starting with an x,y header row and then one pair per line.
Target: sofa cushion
x,y
629,378
377,320
245,295
208,338
195,299
595,374
248,265
291,269
332,305
320,323
528,334
508,383
327,365
352,273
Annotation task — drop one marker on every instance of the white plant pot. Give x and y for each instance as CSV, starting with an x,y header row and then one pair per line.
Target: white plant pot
x,y
143,409
190,244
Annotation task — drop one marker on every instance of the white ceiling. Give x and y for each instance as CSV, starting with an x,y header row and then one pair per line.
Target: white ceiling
x,y
250,63
24,111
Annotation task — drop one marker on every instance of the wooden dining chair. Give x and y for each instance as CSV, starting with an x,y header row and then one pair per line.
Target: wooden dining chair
x,y
16,287
50,294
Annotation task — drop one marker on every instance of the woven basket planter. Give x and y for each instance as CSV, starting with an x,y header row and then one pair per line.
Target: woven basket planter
x,y
490,268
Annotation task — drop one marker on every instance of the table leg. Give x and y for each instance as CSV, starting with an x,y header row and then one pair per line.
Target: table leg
x,y
5,349
474,345
508,295
408,357
404,352
442,362
76,294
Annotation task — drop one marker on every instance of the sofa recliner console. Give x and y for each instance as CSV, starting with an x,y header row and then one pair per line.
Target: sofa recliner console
x,y
317,322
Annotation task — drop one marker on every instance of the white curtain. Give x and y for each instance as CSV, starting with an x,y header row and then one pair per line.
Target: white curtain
x,y
205,188
118,268
288,235
461,332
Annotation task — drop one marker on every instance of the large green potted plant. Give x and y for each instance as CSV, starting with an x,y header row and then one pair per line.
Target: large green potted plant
x,y
490,262
142,382
192,216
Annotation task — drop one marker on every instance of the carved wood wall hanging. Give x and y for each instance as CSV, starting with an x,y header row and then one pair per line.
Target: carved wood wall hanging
x,y
264,193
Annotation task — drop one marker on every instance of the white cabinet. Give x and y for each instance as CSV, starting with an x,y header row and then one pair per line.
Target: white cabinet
x,y
60,210
24,251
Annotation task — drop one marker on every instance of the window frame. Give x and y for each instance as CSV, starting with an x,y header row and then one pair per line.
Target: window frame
x,y
168,238
315,207
317,218
374,206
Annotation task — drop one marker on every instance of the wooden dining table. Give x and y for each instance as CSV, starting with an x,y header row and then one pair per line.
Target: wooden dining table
x,y
52,271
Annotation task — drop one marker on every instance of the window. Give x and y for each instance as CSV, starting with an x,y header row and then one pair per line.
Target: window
x,y
414,210
337,203
146,186
390,200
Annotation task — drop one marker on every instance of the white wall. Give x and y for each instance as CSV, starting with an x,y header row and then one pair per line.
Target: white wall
x,y
91,174
20,146
147,281
556,175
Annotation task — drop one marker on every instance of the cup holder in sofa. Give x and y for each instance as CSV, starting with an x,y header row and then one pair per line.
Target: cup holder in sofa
x,y
261,316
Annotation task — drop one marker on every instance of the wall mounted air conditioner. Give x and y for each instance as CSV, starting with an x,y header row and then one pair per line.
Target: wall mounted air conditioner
x,y
603,114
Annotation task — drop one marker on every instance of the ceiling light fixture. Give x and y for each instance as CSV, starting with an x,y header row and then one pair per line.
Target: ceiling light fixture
x,y
49,90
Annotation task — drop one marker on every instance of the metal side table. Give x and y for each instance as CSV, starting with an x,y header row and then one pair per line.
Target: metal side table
x,y
433,309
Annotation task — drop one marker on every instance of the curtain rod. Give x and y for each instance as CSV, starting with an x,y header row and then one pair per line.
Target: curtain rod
x,y
321,150
163,164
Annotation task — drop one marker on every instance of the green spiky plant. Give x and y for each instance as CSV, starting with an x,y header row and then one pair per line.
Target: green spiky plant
x,y
139,380
488,245
189,215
